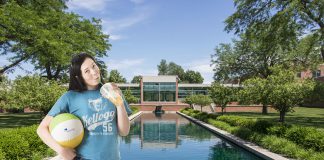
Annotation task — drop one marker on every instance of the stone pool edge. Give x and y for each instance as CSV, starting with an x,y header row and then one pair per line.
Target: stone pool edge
x,y
251,147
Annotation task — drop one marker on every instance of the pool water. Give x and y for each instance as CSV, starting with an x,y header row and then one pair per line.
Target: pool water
x,y
171,136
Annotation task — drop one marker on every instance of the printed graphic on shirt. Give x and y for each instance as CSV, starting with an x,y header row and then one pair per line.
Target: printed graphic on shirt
x,y
96,104
100,122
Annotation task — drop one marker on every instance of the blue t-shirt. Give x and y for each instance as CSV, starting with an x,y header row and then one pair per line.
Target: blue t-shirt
x,y
98,115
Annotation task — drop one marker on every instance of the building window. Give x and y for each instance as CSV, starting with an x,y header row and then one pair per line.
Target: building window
x,y
316,73
159,92
299,74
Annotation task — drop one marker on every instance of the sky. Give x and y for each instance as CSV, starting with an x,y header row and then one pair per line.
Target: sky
x,y
143,32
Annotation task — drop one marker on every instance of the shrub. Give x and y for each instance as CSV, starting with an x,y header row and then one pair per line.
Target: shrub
x,y
212,116
15,145
219,124
237,121
316,156
261,126
278,130
242,132
203,116
23,143
134,109
307,137
2,154
35,143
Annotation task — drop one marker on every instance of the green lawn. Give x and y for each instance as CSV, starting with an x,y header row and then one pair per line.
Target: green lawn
x,y
13,120
302,116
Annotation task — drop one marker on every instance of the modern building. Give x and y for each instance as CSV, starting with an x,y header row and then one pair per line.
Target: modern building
x,y
163,90
158,90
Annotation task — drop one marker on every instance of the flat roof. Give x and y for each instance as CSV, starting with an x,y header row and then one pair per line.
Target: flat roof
x,y
179,85
128,84
160,78
193,85
205,85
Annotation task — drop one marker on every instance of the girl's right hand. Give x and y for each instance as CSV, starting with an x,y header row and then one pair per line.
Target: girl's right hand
x,y
67,153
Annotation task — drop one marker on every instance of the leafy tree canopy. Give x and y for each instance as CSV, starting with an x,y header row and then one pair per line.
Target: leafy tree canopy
x,y
43,33
116,77
286,21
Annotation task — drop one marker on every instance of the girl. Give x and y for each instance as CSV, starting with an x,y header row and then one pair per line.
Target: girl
x,y
103,120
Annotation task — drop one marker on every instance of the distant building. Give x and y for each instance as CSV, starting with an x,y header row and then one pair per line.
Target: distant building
x,y
317,74
163,90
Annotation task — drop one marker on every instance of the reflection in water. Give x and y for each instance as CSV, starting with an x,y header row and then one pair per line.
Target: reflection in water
x,y
159,134
224,151
172,136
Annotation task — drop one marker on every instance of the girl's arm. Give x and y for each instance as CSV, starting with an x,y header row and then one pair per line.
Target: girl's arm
x,y
123,123
44,134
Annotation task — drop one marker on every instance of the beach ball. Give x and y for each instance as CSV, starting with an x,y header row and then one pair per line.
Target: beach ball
x,y
67,130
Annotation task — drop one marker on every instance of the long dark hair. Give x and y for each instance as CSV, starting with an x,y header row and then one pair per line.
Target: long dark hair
x,y
76,80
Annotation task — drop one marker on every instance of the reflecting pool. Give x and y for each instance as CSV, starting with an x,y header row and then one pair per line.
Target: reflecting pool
x,y
171,136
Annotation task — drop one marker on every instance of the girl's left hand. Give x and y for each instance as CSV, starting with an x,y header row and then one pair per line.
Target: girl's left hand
x,y
118,100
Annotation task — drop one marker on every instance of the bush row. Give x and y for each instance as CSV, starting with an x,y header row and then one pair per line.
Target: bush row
x,y
276,137
134,109
22,143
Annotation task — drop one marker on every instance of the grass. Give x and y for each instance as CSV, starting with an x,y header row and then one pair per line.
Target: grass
x,y
14,120
310,117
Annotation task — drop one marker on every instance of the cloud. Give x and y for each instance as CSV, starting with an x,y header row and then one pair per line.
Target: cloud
x,y
140,14
93,5
137,1
116,37
111,26
202,66
124,64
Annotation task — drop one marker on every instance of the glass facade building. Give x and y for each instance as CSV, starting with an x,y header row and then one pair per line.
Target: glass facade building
x,y
161,90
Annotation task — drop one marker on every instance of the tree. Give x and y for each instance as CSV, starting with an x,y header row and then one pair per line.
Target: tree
x,y
136,79
202,100
129,97
174,69
286,20
286,91
316,95
5,85
193,77
116,77
163,67
256,90
221,95
190,100
245,59
47,36
35,92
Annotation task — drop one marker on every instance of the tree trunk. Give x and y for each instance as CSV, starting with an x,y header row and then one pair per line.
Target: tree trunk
x,y
264,109
282,116
13,64
200,108
57,73
223,110
48,71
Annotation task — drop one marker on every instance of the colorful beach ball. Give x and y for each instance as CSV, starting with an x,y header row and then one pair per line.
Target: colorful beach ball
x,y
67,130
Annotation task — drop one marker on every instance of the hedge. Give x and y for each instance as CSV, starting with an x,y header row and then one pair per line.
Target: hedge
x,y
22,143
292,141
